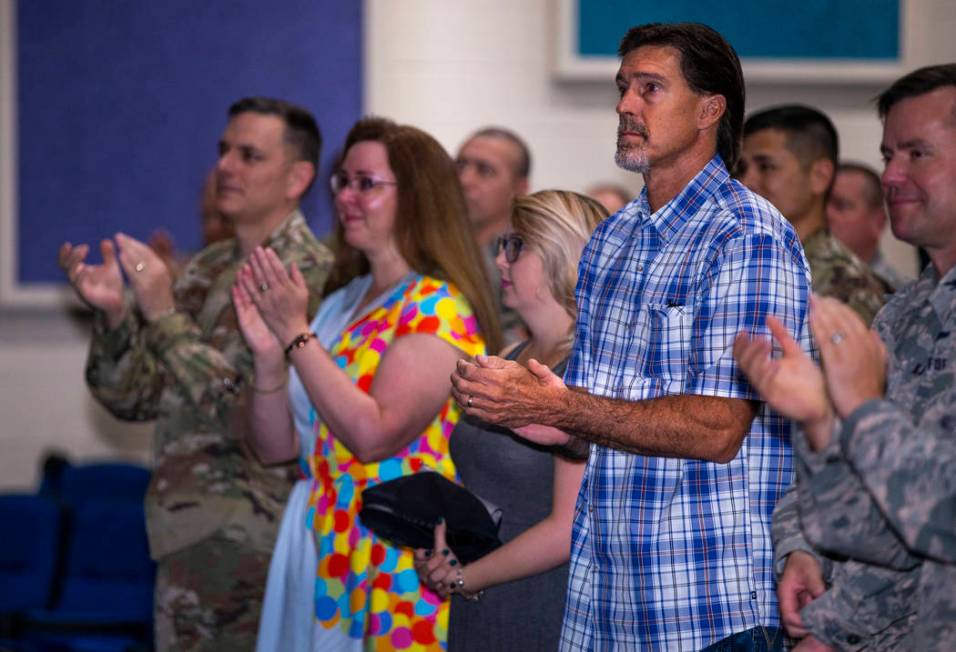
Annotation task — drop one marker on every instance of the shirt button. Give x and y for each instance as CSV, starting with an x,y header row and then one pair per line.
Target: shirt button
x,y
852,639
162,484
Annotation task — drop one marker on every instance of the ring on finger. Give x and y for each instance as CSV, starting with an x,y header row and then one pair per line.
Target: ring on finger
x,y
263,287
140,266
469,400
838,337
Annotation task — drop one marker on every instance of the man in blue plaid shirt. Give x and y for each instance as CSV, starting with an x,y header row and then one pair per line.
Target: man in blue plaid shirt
x,y
671,545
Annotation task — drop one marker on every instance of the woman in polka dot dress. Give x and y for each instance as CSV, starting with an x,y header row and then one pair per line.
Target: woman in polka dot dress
x,y
368,395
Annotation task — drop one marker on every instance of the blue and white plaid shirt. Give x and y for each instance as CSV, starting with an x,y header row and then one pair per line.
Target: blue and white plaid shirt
x,y
675,554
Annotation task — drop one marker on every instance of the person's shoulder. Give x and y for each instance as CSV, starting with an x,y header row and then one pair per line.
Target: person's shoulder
x,y
741,215
425,287
825,250
212,256
749,211
297,240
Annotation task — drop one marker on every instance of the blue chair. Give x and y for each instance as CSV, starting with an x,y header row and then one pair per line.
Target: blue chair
x,y
28,551
105,592
103,480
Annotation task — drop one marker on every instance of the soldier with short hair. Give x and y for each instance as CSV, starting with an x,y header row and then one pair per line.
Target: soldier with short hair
x,y
174,353
868,549
790,157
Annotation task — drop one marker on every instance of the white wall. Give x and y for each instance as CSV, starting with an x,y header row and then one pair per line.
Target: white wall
x,y
448,67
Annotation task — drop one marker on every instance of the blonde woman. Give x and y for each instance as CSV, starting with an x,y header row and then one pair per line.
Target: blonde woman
x,y
535,487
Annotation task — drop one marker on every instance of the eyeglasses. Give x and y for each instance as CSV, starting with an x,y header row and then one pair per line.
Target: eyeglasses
x,y
359,183
511,244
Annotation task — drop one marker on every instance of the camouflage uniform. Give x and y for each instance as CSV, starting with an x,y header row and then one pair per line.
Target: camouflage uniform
x,y
887,273
211,510
884,492
836,272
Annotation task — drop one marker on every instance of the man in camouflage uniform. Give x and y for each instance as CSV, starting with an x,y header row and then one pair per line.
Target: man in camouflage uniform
x,y
174,353
869,547
790,157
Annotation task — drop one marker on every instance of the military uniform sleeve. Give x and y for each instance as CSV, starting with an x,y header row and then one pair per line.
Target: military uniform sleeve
x,y
122,374
206,378
788,534
907,469
866,608
837,513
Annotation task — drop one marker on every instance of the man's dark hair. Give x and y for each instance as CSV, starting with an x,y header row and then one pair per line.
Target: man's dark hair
x,y
872,187
918,82
810,134
301,130
709,65
523,167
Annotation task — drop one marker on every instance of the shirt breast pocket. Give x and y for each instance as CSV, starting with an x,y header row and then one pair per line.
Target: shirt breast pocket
x,y
663,331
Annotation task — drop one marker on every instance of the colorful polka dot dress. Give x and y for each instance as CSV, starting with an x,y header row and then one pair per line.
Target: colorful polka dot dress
x,y
366,587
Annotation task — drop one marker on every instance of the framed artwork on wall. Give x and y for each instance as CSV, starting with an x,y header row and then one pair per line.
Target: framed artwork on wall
x,y
813,41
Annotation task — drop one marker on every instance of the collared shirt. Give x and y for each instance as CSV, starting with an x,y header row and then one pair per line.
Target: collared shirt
x,y
675,554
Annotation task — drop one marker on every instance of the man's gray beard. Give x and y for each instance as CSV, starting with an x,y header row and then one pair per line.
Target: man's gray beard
x,y
631,159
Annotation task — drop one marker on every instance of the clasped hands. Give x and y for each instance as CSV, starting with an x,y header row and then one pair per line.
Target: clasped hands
x,y
854,368
271,303
101,286
438,567
506,393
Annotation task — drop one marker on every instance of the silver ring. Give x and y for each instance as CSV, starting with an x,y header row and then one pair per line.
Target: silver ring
x,y
469,400
263,287
140,266
837,337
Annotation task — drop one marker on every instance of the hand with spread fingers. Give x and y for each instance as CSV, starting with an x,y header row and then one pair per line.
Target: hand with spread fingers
x,y
854,357
281,297
262,341
792,384
99,286
148,277
504,392
438,568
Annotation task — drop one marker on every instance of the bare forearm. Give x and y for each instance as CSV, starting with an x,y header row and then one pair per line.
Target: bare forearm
x,y
272,434
353,415
695,427
538,549
541,547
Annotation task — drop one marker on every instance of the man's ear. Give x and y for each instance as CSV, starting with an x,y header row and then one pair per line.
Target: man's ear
x,y
821,175
300,176
711,111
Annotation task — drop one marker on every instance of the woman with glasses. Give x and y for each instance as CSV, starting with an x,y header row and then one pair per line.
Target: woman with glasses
x,y
368,395
536,488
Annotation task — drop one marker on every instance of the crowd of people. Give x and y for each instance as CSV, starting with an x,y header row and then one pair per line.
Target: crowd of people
x,y
697,440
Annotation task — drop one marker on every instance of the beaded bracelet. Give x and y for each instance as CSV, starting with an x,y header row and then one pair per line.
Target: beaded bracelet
x,y
298,342
459,584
